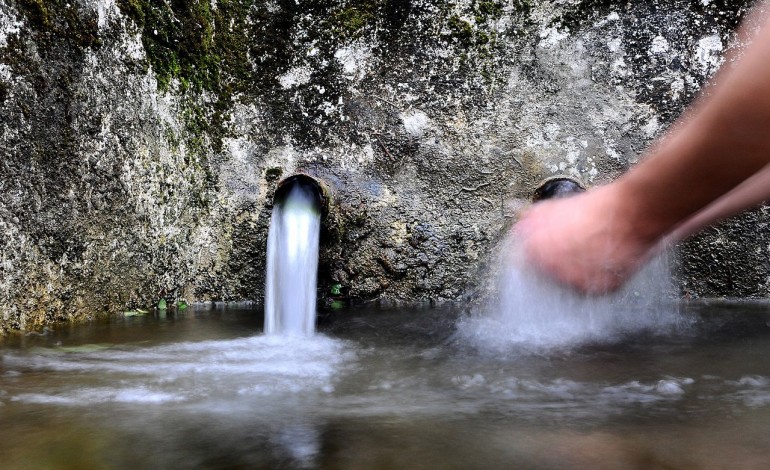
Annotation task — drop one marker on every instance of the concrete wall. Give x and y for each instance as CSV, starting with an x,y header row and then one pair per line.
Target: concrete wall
x,y
141,140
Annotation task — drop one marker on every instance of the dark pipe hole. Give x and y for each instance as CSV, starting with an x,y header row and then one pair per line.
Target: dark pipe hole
x,y
308,183
557,188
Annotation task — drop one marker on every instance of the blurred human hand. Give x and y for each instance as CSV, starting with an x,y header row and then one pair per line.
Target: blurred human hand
x,y
587,242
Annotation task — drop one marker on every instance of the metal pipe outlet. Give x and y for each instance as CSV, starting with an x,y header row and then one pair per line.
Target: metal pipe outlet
x,y
557,187
316,187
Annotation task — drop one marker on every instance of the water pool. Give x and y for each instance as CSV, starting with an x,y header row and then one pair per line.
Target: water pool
x,y
384,389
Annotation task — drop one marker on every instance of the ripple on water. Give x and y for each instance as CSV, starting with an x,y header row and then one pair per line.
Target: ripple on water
x,y
260,365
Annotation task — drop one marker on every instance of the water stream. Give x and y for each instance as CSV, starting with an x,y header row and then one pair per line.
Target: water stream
x,y
292,264
528,313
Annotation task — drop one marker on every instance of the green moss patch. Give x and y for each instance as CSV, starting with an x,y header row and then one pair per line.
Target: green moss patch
x,y
60,21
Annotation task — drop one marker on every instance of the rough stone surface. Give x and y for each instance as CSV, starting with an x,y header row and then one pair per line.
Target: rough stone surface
x,y
141,140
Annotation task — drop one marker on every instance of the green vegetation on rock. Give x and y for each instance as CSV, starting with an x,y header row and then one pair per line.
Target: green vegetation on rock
x,y
350,21
179,39
55,21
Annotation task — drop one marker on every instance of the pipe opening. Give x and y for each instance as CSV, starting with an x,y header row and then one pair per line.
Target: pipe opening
x,y
557,187
308,184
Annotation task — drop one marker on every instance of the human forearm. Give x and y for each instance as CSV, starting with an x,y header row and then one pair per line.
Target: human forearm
x,y
720,143
746,195
595,241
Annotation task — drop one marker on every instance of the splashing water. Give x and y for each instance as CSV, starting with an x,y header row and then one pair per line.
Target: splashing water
x,y
531,313
292,264
207,372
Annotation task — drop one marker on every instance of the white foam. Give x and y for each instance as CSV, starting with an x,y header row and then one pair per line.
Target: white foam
x,y
101,395
639,392
529,312
752,390
754,381
261,365
669,387
566,393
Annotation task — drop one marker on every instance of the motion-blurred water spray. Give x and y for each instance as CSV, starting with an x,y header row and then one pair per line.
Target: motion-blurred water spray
x,y
529,312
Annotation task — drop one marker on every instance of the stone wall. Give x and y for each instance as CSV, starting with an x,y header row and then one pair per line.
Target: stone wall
x,y
141,140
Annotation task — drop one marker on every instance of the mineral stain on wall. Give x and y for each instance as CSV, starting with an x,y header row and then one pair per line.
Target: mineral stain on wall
x,y
141,140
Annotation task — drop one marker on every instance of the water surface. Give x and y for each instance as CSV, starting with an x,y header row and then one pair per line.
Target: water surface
x,y
384,388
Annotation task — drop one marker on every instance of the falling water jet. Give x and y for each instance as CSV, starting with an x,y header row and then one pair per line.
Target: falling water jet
x,y
292,256
527,312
